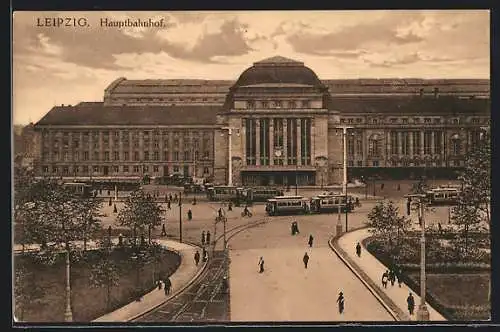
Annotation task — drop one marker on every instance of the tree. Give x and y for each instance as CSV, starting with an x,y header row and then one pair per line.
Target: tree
x,y
476,176
466,216
384,221
26,290
57,219
105,273
140,212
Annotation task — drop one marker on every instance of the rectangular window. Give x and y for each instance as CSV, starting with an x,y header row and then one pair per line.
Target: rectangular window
x,y
136,155
96,169
375,163
66,156
115,169
45,169
85,170
360,163
156,155
176,155
205,170
136,169
350,145
165,155
187,155
126,155
85,155
176,169
145,168
76,156
96,155
206,154
125,169
55,170
146,155
106,156
155,169
116,155
427,142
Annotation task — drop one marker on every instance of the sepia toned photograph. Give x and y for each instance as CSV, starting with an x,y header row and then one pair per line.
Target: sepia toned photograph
x,y
251,167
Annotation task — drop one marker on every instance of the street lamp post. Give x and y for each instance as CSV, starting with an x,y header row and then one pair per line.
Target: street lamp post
x,y
296,184
230,151
423,312
68,313
344,183
180,217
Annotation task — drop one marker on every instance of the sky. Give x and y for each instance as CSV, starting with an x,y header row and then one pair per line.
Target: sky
x,y
70,64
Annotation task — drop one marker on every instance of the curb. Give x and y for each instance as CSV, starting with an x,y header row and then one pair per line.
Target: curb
x,y
383,299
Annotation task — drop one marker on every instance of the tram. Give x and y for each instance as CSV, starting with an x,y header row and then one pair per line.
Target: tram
x,y
263,194
81,190
325,203
443,196
229,194
285,205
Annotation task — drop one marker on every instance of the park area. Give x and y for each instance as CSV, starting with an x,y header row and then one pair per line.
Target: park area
x,y
458,277
42,295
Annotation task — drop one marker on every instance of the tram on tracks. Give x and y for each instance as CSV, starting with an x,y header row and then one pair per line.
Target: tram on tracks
x,y
325,203
229,194
287,205
443,195
264,193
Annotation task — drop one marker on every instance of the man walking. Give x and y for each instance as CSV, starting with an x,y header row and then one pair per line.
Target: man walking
x,y
358,249
411,303
385,278
305,259
197,257
203,238
261,264
163,231
208,237
310,242
340,301
167,285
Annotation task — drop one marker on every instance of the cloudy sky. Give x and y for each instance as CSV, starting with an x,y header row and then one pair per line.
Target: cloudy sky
x,y
67,65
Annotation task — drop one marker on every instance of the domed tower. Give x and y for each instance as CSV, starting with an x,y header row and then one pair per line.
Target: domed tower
x,y
278,113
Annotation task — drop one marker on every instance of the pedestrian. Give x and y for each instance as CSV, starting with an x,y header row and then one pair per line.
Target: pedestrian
x,y
163,231
293,228
203,238
175,198
170,197
392,276
399,187
305,259
190,214
167,285
310,242
358,249
230,206
399,275
194,200
385,278
411,303
440,228
382,186
168,205
205,255
261,264
296,227
159,284
120,239
197,257
208,237
357,202
110,202
341,301
166,198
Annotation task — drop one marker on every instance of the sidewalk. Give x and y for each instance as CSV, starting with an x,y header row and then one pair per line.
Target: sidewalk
x,y
185,274
373,269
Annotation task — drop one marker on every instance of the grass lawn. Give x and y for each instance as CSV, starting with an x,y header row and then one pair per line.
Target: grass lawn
x,y
464,296
88,303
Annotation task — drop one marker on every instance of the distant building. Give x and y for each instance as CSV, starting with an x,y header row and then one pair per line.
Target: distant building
x,y
285,124
24,146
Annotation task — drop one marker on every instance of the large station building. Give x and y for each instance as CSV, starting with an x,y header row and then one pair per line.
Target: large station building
x,y
285,124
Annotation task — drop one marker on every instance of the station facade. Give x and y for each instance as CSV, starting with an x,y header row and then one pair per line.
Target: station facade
x,y
284,123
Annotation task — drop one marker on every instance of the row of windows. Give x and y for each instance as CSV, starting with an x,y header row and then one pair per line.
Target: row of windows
x,y
187,155
252,104
406,163
65,170
167,100
135,134
413,120
195,144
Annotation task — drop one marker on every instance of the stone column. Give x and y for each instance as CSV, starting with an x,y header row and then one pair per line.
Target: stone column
x,y
101,146
422,143
410,137
285,142
443,153
433,151
244,141
400,144
257,141
299,142
271,141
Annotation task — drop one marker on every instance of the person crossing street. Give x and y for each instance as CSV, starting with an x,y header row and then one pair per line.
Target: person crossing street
x,y
341,302
310,242
305,259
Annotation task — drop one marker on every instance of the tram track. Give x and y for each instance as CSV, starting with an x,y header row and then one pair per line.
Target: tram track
x,y
205,299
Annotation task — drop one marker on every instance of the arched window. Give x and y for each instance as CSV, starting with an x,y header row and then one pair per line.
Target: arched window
x,y
374,145
455,145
